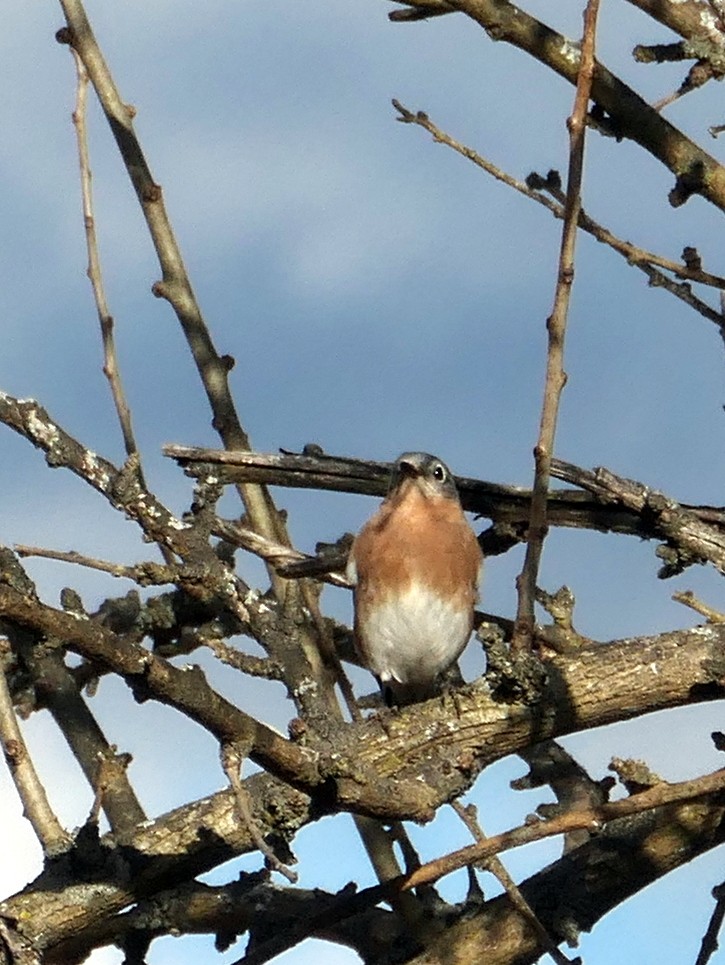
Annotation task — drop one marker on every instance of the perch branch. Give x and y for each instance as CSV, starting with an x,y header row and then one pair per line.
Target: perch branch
x,y
442,751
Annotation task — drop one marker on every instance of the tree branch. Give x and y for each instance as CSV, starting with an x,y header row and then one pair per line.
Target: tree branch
x,y
538,189
691,539
506,505
628,114
110,360
175,286
48,829
556,328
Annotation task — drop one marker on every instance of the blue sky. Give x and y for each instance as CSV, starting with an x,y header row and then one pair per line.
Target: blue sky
x,y
379,295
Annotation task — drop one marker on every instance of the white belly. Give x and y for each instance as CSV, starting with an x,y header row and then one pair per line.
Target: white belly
x,y
411,638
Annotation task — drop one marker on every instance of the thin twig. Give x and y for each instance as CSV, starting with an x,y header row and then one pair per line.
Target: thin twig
x,y
231,758
279,555
175,285
688,598
534,188
246,663
145,574
95,275
36,808
556,326
496,867
590,819
690,269
700,73
710,943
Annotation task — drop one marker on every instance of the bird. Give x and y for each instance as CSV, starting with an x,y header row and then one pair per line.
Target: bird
x,y
415,568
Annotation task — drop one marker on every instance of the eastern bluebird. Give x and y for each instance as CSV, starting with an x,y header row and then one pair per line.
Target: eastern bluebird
x,y
415,567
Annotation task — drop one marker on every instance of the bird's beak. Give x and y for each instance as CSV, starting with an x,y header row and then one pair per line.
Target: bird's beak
x,y
408,468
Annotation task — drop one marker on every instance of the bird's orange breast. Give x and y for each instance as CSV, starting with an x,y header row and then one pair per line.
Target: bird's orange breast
x,y
414,538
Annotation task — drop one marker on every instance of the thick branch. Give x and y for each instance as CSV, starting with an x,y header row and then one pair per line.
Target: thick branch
x,y
151,676
697,20
441,750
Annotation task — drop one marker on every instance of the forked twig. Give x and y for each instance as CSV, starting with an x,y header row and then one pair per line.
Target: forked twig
x,y
534,187
497,868
592,819
588,818
556,327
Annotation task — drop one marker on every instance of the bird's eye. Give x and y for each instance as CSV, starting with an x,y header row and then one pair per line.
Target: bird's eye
x,y
439,472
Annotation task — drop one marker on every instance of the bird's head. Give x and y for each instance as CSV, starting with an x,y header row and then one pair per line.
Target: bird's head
x,y
428,474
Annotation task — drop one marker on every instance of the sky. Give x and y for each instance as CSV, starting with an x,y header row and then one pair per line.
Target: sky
x,y
379,295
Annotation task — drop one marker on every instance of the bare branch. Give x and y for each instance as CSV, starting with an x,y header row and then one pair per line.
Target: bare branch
x,y
52,836
55,688
697,20
150,675
691,539
710,943
506,505
288,561
175,285
556,328
533,188
628,115
590,819
145,574
688,598
497,868
231,758
110,363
